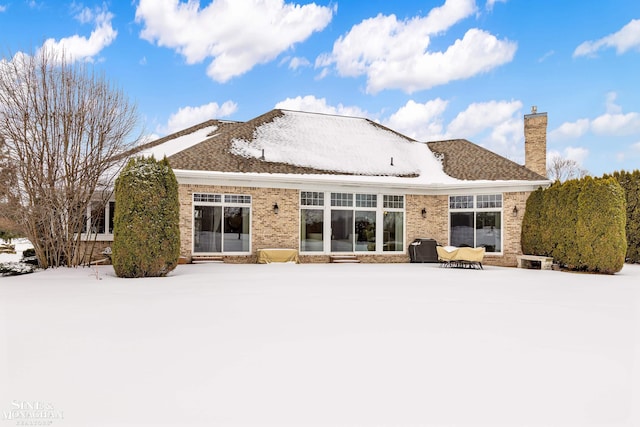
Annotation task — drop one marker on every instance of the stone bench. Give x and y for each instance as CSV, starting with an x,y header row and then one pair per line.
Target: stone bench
x,y
525,261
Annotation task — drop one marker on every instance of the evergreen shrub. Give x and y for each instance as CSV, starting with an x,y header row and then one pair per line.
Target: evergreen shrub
x,y
580,223
630,183
146,227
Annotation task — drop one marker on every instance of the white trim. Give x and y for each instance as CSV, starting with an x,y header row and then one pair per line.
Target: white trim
x,y
348,183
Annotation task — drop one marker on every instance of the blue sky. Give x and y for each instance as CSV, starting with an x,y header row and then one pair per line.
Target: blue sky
x,y
431,70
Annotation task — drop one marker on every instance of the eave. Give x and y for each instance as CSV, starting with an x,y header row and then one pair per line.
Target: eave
x,y
387,184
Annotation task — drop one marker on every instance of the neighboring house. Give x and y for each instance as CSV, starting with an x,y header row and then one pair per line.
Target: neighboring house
x,y
333,185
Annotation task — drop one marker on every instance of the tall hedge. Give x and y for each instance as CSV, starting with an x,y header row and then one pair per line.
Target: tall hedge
x,y
580,223
630,183
146,228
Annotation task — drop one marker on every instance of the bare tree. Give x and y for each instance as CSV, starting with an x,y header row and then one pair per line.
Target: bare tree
x,y
561,169
66,129
9,200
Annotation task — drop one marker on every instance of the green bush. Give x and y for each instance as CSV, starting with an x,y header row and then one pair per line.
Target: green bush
x,y
580,223
630,183
146,222
600,226
532,238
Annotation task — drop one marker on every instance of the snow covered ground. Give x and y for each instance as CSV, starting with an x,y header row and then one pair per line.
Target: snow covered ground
x,y
325,345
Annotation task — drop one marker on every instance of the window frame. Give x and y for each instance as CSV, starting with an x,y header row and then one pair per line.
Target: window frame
x,y
222,200
357,202
469,203
87,234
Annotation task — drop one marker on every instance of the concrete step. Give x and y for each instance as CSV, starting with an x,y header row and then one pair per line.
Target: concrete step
x,y
206,258
344,259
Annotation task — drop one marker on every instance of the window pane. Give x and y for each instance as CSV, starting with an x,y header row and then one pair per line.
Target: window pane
x,y
461,229
112,211
393,202
490,201
341,199
489,231
311,230
365,231
341,231
207,229
312,198
97,217
366,200
236,229
237,199
393,233
210,198
460,202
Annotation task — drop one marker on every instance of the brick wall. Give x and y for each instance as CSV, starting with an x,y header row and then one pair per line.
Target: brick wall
x,y
535,142
270,230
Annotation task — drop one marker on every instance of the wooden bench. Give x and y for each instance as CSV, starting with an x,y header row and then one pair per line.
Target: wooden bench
x,y
525,261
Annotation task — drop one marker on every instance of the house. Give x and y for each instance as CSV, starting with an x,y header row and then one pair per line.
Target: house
x,y
329,185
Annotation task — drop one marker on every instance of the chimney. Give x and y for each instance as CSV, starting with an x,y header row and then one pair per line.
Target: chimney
x,y
535,141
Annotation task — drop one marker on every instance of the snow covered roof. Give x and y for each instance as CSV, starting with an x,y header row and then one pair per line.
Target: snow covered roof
x,y
175,145
340,144
296,146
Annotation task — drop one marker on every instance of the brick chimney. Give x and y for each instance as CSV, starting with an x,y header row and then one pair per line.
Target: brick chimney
x,y
535,141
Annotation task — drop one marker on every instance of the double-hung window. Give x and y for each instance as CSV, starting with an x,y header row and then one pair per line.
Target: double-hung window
x,y
476,221
221,223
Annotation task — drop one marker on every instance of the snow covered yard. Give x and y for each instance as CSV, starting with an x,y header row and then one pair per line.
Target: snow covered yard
x,y
301,345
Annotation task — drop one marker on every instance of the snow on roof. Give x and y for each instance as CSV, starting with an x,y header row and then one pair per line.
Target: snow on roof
x,y
178,144
342,144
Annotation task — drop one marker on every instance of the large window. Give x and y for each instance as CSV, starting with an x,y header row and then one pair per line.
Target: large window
x,y
221,223
476,221
351,222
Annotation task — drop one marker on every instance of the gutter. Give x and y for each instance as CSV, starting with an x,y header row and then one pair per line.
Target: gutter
x,y
311,182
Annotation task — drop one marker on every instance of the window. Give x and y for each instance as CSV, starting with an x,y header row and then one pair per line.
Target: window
x,y
351,222
476,221
97,222
221,224
97,218
312,221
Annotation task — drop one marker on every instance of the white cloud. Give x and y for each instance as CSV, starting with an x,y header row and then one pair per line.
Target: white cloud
x,y
625,39
616,124
612,123
636,146
297,62
3,8
610,103
578,154
80,48
312,104
235,34
394,54
570,130
422,122
481,116
189,116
